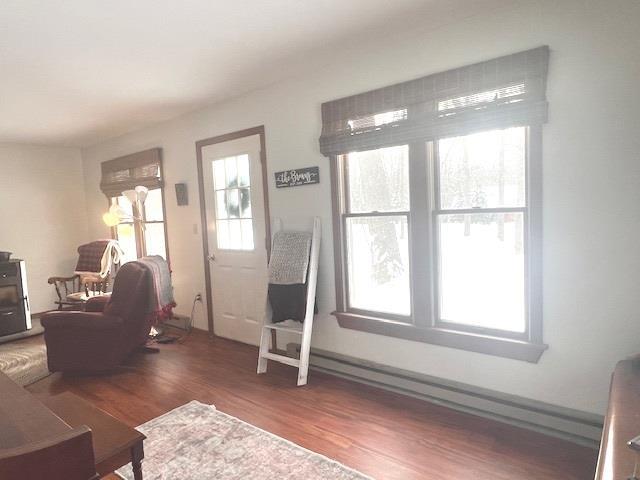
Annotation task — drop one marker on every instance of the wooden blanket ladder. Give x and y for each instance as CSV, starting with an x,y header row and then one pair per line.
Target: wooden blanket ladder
x,y
290,326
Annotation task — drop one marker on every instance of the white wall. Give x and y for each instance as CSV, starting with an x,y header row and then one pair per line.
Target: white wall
x,y
42,213
591,185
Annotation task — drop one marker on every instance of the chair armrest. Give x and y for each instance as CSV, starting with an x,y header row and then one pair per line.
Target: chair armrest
x,y
52,280
80,321
97,304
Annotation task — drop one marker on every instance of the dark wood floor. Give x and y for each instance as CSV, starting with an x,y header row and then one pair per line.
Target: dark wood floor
x,y
383,434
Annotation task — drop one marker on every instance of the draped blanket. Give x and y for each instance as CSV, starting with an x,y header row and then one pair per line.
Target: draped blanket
x,y
289,258
161,302
288,269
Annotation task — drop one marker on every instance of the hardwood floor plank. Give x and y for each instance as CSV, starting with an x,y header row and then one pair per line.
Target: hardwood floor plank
x,y
383,434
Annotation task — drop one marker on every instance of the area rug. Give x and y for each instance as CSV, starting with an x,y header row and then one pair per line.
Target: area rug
x,y
198,442
24,363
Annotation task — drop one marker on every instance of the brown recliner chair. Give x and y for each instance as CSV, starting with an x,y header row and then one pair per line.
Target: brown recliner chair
x,y
105,334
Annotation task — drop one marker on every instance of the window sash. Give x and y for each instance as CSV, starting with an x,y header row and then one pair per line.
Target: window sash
x,y
346,213
139,230
364,311
438,211
424,258
437,283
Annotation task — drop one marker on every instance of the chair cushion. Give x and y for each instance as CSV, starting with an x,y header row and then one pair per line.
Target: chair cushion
x,y
76,297
83,297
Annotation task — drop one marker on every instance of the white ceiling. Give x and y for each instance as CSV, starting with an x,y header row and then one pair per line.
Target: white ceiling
x,y
75,72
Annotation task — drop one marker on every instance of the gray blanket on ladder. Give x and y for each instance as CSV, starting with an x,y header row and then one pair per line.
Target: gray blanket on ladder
x,y
288,270
289,258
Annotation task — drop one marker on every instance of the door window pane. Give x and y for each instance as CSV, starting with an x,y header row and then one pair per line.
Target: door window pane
x,y
221,205
378,180
223,234
483,170
244,179
231,168
232,204
378,264
247,234
235,235
245,203
219,175
482,270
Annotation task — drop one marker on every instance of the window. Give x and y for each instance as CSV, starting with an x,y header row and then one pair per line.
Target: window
x,y
232,184
125,232
472,196
146,233
437,196
376,224
147,236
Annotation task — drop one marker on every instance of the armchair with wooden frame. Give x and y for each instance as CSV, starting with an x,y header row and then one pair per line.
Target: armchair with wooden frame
x,y
92,275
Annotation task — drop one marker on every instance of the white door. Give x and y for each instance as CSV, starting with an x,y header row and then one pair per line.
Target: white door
x,y
235,202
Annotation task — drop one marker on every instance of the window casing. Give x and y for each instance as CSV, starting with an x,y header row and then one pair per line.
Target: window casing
x,y
146,233
512,216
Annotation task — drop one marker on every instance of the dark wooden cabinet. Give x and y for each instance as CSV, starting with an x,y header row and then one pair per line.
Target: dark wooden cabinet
x,y
616,460
58,424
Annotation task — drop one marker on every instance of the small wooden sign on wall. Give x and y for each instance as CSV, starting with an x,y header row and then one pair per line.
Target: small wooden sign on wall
x,y
297,177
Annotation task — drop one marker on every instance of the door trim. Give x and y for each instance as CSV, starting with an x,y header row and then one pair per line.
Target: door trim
x,y
203,208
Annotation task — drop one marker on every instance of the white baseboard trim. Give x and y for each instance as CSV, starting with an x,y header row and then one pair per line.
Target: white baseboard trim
x,y
573,425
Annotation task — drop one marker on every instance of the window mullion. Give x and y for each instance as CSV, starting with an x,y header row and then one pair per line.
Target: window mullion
x,y
420,236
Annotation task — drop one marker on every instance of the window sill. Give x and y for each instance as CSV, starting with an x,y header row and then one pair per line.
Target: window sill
x,y
497,346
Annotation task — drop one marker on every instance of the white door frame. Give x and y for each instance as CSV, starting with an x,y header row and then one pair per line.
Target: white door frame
x,y
200,144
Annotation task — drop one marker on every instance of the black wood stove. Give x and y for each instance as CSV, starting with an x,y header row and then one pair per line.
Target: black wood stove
x,y
15,315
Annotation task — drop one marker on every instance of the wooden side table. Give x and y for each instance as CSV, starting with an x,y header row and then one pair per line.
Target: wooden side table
x,y
114,443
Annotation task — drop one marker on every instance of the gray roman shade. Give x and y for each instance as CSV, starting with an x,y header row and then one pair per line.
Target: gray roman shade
x,y
498,93
125,173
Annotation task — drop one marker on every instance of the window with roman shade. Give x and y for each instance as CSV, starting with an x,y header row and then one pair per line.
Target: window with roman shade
x,y
125,173
145,233
497,93
437,193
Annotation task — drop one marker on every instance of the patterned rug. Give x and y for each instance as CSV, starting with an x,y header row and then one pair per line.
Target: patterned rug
x,y
24,363
197,442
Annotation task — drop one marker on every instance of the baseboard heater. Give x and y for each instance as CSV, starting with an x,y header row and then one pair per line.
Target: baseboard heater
x,y
573,425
